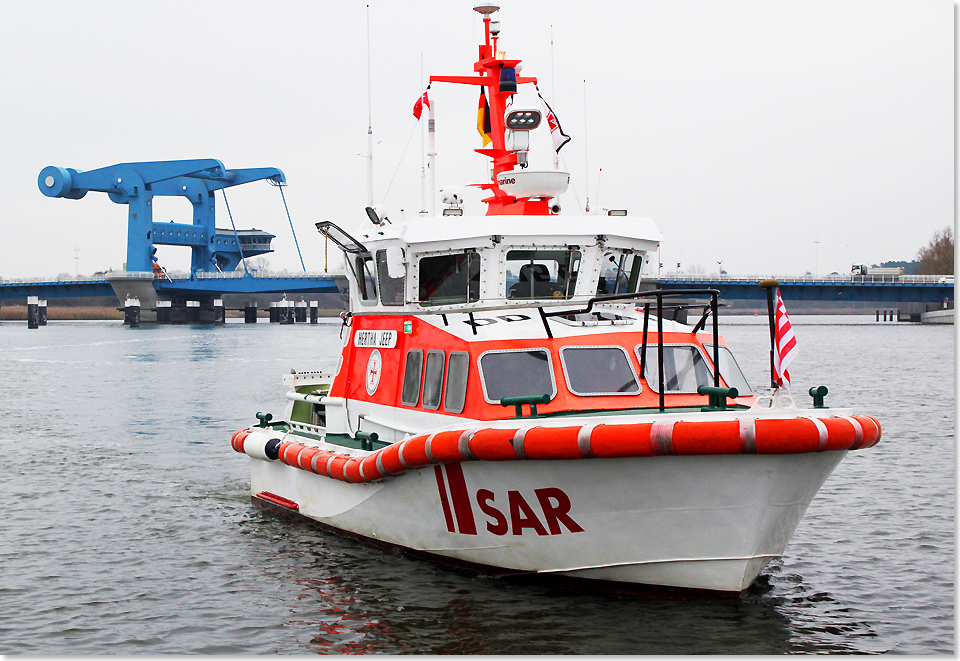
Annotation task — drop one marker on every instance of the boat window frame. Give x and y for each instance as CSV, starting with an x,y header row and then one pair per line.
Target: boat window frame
x,y
632,277
461,389
590,347
576,256
359,272
654,383
471,253
403,384
483,383
426,375
383,275
709,349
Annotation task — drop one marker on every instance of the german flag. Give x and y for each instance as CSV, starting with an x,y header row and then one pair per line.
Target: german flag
x,y
483,117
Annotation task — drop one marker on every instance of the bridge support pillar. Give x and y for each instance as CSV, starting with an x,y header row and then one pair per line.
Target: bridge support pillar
x,y
164,309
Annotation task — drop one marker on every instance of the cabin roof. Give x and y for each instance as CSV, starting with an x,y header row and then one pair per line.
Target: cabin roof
x,y
568,229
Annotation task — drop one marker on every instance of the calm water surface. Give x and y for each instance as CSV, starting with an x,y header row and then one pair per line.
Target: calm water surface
x,y
128,527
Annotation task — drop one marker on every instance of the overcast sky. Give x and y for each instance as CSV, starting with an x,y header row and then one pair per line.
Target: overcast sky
x,y
747,129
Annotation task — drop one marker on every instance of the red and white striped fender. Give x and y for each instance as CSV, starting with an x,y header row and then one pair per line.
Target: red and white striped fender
x,y
643,439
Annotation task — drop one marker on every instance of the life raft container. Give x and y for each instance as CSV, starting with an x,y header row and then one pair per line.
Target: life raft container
x,y
644,439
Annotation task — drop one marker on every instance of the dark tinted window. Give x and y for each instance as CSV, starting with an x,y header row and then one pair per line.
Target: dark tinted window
x,y
683,369
366,279
516,373
449,279
458,367
411,377
599,371
433,380
391,289
542,273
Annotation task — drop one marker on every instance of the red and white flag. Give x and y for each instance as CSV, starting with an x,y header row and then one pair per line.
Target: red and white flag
x,y
424,100
785,344
559,137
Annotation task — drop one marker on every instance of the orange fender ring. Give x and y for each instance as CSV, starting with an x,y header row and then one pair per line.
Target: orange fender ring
x,y
645,439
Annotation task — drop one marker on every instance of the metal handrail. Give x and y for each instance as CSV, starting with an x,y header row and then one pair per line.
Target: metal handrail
x,y
659,294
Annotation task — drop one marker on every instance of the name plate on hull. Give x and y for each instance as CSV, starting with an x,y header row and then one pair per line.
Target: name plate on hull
x,y
376,339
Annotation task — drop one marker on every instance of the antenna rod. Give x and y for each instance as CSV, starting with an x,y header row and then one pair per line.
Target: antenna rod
x,y
586,152
369,121
553,96
423,153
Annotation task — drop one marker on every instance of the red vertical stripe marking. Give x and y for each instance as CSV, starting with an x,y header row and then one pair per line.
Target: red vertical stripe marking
x,y
443,499
461,500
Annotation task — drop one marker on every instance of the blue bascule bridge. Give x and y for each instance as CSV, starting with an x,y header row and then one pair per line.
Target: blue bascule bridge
x,y
216,253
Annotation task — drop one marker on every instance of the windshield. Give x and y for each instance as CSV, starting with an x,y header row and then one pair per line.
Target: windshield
x,y
516,373
598,371
619,272
449,279
730,372
684,368
542,273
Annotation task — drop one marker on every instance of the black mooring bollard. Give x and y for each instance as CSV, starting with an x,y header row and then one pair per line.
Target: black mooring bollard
x,y
131,312
33,312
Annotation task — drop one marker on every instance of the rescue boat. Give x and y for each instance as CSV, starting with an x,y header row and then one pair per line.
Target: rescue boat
x,y
514,394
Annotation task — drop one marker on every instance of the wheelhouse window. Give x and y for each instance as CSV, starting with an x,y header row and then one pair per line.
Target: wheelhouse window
x,y
619,272
542,273
366,280
450,279
730,371
598,371
684,369
516,373
433,380
391,289
458,367
412,371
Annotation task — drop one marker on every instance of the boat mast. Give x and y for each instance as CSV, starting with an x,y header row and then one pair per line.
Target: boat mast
x,y
369,121
423,164
432,159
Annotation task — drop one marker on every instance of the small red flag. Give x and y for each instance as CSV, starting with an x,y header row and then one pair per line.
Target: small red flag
x,y
785,344
424,100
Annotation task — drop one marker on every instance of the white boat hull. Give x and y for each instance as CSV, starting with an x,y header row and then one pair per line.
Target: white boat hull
x,y
700,523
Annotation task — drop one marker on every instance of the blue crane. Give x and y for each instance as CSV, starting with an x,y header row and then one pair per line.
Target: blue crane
x,y
136,184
